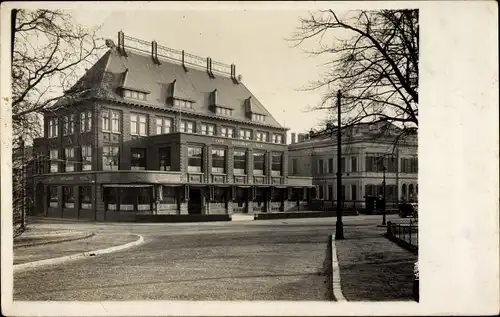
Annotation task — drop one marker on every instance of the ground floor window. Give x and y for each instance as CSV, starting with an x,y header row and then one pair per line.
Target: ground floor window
x,y
354,192
277,195
69,196
241,196
85,197
128,198
219,195
53,197
169,195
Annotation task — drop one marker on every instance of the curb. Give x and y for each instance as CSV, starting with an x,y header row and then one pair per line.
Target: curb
x,y
336,285
77,256
54,241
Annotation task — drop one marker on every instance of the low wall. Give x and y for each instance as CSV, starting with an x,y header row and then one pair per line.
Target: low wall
x,y
182,218
301,214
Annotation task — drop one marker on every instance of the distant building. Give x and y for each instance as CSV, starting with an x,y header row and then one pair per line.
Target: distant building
x,y
366,149
152,130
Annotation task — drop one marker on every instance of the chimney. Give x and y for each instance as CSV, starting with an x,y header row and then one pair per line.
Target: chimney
x,y
293,138
301,137
183,62
121,43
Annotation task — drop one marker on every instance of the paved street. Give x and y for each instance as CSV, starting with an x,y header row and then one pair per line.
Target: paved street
x,y
254,260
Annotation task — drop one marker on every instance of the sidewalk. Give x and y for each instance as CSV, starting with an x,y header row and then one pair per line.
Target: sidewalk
x,y
372,268
46,243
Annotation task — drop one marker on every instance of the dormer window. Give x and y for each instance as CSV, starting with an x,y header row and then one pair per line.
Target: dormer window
x,y
258,117
137,95
223,111
277,138
261,136
183,104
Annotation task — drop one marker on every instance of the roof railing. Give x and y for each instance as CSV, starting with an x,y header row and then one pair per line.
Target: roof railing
x,y
180,57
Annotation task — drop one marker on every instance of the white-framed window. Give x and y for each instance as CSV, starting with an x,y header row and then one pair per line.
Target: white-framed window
x,y
261,136
69,157
53,128
110,157
86,157
183,104
195,159
187,126
54,160
115,121
239,162
259,163
165,159
138,159
258,117
68,197
111,121
245,134
277,138
69,124
208,129
163,125
227,132
223,111
134,94
105,120
218,161
85,121
276,164
138,124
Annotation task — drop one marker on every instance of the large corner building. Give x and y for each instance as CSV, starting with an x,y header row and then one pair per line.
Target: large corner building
x,y
151,130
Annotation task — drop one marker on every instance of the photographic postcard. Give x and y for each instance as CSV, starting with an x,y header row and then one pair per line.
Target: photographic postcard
x,y
249,159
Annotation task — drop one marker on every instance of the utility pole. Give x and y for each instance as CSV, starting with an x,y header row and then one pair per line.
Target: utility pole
x,y
339,230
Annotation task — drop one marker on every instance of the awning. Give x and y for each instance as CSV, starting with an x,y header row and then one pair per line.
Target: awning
x,y
243,186
127,185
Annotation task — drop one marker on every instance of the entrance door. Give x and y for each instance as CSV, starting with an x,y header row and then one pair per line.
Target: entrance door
x,y
194,203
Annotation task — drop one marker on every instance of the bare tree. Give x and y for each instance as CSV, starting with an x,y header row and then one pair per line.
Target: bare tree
x,y
49,52
374,63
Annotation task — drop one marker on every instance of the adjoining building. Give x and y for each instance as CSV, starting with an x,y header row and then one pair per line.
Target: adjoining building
x,y
366,150
151,130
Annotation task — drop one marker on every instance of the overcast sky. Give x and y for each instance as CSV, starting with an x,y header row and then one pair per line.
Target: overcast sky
x,y
254,40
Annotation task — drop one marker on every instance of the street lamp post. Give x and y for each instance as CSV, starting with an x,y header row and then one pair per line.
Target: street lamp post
x,y
339,230
383,195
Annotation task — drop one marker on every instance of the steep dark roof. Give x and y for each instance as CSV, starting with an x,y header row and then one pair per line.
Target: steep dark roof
x,y
138,71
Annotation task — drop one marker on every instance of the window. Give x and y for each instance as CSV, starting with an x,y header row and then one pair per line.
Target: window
x,y
321,190
138,159
276,164
195,159
187,126
218,161
354,192
320,166
69,124
85,197
86,158
240,162
169,195
54,161
342,165
409,165
163,125
53,131
69,156
330,165
85,121
343,192
258,163
53,197
294,166
207,129
105,120
69,197
354,164
115,122
261,136
164,155
110,158
227,132
138,124
183,104
224,111
258,117
134,95
245,134
330,192
277,138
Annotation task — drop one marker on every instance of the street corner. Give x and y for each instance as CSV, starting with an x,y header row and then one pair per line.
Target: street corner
x,y
36,235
